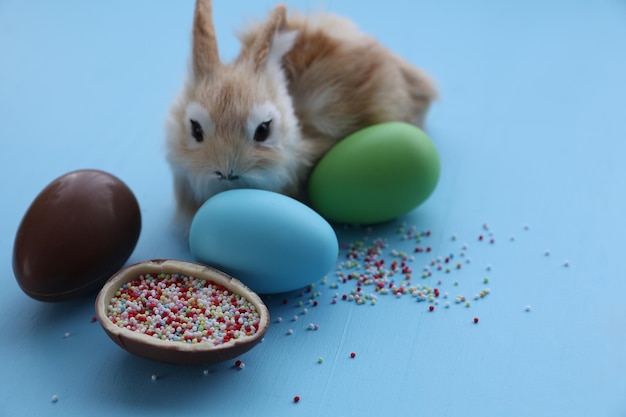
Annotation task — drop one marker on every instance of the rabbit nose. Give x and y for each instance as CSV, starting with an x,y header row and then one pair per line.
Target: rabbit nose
x,y
231,176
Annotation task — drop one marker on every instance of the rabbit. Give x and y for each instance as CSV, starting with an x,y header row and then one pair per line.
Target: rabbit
x,y
299,85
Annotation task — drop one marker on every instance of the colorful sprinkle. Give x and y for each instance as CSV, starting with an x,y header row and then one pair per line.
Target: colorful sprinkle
x,y
296,399
184,309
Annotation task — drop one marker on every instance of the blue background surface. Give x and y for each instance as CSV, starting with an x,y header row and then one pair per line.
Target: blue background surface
x,y
530,129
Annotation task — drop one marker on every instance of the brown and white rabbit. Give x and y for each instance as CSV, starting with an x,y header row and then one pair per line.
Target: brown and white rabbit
x,y
299,85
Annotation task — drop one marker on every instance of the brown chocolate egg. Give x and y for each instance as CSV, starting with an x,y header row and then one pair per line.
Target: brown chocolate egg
x,y
142,307
77,232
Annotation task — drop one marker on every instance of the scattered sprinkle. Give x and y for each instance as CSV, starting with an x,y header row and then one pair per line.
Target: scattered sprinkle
x,y
373,267
66,335
476,320
154,377
566,263
353,355
320,360
290,332
55,398
527,308
239,364
296,399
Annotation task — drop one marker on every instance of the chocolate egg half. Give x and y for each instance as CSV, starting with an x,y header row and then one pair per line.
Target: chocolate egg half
x,y
77,232
180,312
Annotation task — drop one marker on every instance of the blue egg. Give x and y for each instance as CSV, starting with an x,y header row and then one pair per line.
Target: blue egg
x,y
270,242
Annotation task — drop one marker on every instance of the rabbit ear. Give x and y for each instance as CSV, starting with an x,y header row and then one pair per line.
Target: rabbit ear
x,y
274,40
205,55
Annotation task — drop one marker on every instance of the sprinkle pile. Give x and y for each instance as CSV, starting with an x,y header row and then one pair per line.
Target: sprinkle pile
x,y
181,308
377,270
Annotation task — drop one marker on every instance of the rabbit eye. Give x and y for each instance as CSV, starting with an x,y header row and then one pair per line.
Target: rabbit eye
x,y
196,130
262,131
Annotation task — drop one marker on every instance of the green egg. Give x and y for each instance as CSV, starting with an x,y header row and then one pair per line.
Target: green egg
x,y
375,175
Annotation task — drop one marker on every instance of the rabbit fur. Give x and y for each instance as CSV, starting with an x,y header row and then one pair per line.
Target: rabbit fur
x,y
299,85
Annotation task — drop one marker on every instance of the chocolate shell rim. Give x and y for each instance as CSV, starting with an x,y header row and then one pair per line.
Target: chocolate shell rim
x,y
175,351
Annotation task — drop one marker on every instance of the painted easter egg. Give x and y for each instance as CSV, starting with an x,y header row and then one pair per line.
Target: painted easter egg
x,y
270,242
77,232
375,175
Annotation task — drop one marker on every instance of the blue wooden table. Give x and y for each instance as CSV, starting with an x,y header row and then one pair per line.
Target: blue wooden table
x,y
532,136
